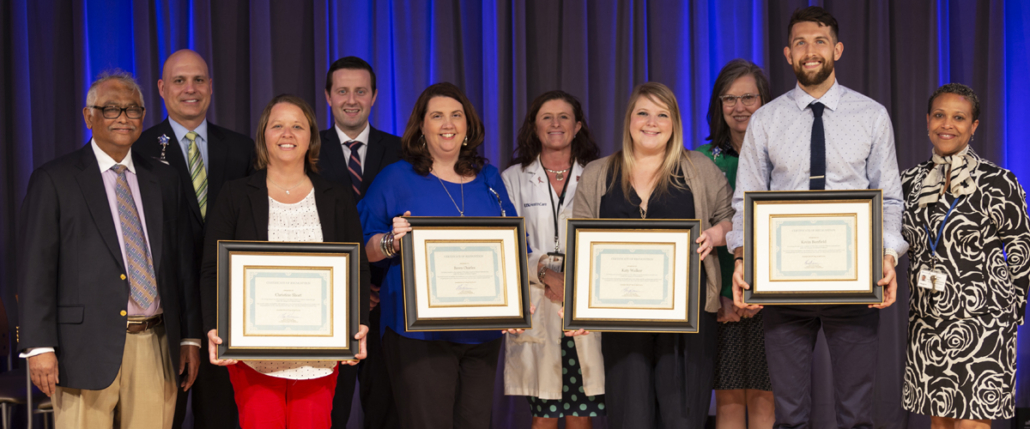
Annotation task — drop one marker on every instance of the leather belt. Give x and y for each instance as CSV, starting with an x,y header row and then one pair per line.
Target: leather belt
x,y
142,325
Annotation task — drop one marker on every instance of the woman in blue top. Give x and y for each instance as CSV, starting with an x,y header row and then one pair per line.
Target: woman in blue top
x,y
439,379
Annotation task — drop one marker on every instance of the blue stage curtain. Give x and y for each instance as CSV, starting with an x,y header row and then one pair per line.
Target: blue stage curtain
x,y
504,53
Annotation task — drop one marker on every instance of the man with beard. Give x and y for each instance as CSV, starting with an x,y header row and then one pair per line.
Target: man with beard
x,y
820,135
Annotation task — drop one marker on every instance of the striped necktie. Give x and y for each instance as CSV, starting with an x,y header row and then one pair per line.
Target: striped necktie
x,y
354,165
142,282
197,173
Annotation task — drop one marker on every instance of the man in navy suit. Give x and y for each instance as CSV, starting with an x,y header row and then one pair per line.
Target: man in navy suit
x,y
353,152
205,156
109,311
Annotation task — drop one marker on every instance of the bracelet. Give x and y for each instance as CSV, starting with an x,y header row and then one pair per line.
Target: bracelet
x,y
540,274
386,245
739,258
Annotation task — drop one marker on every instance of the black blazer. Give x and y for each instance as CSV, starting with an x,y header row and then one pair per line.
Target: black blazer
x,y
241,213
383,149
230,156
72,285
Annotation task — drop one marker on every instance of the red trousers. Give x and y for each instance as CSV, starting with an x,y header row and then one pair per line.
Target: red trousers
x,y
279,403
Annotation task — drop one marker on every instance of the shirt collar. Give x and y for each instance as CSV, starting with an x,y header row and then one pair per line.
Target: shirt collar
x,y
106,162
539,174
180,131
363,137
830,99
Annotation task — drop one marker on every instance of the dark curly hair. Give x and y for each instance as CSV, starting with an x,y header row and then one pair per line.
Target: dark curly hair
x,y
957,89
584,149
719,131
413,146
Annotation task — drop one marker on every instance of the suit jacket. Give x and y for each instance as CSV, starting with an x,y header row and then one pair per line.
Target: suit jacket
x,y
383,149
241,213
72,285
230,156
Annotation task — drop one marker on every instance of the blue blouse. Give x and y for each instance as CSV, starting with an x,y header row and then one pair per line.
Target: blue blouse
x,y
398,188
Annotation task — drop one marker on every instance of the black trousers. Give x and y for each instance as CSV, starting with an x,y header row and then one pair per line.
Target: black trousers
x,y
660,380
790,335
439,384
375,390
214,403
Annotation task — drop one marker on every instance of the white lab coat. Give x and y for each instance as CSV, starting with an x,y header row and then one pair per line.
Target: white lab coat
x,y
533,359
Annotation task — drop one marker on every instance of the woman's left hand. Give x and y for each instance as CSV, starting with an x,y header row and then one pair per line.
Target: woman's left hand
x,y
554,285
532,309
362,349
705,244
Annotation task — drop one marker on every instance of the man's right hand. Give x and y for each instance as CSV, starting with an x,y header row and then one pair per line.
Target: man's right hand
x,y
43,370
738,288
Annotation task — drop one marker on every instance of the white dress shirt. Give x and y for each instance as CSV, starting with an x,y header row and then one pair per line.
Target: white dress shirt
x,y
776,155
362,137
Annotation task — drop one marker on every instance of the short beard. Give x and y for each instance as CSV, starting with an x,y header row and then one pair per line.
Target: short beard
x,y
820,76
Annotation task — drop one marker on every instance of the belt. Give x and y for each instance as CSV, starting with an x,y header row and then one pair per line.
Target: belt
x,y
142,325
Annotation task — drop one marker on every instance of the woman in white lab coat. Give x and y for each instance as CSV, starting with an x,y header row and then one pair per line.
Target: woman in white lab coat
x,y
562,376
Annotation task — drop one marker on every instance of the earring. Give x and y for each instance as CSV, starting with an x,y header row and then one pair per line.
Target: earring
x,y
466,142
422,138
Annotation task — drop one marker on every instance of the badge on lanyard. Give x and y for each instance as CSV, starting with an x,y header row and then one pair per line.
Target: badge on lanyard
x,y
934,279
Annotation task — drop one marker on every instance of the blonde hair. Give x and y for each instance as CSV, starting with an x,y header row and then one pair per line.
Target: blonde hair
x,y
668,174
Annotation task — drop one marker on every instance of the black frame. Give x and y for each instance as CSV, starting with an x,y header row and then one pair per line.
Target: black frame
x,y
691,325
226,351
415,324
875,296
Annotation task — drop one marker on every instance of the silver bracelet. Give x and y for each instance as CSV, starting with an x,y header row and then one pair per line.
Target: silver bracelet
x,y
386,245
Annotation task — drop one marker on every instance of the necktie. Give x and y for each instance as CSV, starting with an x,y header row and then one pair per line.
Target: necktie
x,y
197,174
354,165
142,283
817,181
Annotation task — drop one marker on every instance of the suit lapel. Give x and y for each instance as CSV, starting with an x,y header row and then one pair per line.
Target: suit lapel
x,y
257,194
174,157
325,206
334,166
92,185
150,193
217,155
373,157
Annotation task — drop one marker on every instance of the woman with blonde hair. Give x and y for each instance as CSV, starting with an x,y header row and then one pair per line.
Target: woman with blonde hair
x,y
660,380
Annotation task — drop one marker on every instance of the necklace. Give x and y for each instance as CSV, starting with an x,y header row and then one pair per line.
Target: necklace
x,y
558,174
284,189
461,211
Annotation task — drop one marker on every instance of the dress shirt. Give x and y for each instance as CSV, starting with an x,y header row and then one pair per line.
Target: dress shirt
x,y
184,143
362,137
776,154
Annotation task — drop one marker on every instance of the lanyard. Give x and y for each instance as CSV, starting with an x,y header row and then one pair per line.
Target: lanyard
x,y
561,199
933,242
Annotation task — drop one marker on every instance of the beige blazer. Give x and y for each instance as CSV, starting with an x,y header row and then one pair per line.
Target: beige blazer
x,y
712,199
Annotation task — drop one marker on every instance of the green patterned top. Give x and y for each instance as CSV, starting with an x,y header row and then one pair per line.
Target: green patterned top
x,y
727,162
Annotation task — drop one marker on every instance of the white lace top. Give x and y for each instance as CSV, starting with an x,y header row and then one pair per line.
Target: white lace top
x,y
294,222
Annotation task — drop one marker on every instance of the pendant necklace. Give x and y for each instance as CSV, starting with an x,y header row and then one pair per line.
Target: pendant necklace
x,y
461,211
284,189
558,174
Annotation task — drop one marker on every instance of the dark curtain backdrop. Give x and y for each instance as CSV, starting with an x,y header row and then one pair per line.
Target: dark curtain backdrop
x,y
504,53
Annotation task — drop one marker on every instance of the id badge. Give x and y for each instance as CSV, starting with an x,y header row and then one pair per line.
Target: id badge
x,y
555,261
934,280
924,279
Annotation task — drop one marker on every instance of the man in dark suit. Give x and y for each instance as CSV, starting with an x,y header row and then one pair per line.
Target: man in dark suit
x,y
107,284
352,154
206,156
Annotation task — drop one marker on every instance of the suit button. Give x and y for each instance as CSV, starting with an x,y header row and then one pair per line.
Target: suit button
x,y
123,313
123,276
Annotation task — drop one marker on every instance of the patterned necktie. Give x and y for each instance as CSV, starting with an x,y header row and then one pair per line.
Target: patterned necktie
x,y
354,165
817,181
142,283
197,174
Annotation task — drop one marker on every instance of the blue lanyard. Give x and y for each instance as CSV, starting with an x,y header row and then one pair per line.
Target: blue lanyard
x,y
933,243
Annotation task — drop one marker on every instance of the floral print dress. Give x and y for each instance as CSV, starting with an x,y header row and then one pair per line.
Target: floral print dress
x,y
961,358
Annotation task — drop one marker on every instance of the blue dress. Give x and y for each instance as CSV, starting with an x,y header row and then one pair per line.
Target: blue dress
x,y
398,188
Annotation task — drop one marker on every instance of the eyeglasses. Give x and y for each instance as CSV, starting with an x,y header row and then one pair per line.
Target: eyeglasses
x,y
731,100
113,112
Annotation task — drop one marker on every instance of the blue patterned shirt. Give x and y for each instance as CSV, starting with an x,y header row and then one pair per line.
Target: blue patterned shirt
x,y
776,155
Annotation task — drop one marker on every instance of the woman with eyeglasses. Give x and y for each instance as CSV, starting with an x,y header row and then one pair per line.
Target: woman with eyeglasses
x,y
743,391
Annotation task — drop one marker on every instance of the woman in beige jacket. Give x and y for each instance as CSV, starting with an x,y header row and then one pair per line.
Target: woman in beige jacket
x,y
666,378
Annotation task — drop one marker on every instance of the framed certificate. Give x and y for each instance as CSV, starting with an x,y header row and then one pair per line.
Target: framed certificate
x,y
632,275
288,301
813,247
465,274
